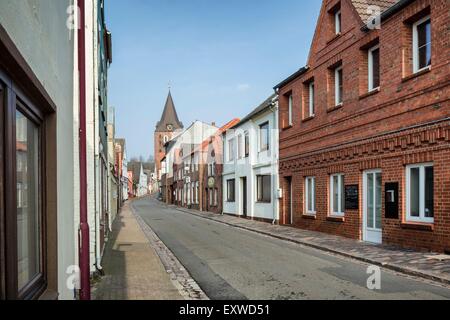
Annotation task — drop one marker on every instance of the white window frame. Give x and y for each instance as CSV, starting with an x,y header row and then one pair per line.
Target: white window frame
x,y
341,205
311,180
231,150
291,102
240,147
416,44
311,104
338,22
337,95
370,66
421,218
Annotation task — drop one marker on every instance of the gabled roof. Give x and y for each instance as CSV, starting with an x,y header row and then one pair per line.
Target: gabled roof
x,y
387,8
135,168
169,116
121,143
260,109
361,7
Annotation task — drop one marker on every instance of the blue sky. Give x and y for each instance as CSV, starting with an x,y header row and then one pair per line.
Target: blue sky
x,y
222,58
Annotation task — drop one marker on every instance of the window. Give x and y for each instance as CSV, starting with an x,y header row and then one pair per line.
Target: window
x,y
338,22
422,44
310,195
337,195
216,197
290,106
230,190
166,139
211,195
311,103
231,150
338,84
264,188
420,193
264,137
247,144
29,249
374,68
240,147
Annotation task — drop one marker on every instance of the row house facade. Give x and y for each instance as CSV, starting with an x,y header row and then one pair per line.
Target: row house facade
x,y
250,165
122,168
179,176
203,169
365,125
45,83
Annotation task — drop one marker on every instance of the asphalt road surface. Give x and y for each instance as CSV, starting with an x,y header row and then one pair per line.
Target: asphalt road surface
x,y
230,263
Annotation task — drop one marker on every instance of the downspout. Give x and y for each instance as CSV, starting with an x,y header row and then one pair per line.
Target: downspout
x,y
274,110
83,234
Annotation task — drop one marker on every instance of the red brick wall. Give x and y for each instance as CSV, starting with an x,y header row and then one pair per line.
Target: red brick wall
x,y
366,132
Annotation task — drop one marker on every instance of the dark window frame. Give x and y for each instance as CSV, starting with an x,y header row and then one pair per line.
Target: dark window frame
x,y
231,190
261,182
14,99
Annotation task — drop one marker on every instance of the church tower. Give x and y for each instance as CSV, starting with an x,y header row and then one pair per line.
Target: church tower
x,y
165,129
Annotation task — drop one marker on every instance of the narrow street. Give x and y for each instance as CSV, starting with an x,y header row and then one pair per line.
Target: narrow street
x,y
230,263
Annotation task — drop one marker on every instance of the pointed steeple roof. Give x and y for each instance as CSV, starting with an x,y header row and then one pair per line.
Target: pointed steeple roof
x,y
169,117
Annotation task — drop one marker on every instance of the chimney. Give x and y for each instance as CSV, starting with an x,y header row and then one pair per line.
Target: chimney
x,y
213,124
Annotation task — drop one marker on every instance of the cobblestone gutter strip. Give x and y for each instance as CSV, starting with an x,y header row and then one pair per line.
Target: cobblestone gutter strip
x,y
442,279
179,276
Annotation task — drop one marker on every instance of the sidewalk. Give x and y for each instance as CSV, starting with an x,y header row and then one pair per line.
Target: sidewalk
x,y
133,270
427,265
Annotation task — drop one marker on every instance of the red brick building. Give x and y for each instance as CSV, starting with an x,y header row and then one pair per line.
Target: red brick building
x,y
365,126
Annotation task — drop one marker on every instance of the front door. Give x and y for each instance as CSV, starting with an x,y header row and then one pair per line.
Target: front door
x,y
372,231
244,197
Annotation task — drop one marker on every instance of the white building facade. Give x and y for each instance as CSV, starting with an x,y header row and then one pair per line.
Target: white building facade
x,y
250,156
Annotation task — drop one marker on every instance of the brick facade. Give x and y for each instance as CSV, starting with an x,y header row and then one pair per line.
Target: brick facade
x,y
406,121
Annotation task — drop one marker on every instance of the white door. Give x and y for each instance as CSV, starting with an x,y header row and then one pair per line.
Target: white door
x,y
372,231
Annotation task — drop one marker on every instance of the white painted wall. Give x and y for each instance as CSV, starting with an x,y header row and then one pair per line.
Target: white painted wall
x,y
38,29
258,163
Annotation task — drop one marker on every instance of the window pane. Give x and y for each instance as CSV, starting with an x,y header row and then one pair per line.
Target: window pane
x,y
267,188
264,136
342,194
335,194
311,99
429,192
28,224
370,201
309,185
414,193
340,86
378,201
424,44
375,68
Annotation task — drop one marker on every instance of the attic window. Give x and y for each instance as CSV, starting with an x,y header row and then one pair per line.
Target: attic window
x,y
338,22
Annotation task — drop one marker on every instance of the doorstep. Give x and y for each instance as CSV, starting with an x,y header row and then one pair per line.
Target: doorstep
x,y
427,265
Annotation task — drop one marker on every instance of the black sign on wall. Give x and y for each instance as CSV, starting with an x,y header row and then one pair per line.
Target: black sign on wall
x,y
391,200
352,197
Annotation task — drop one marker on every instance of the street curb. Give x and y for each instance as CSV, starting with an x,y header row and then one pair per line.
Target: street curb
x,y
393,267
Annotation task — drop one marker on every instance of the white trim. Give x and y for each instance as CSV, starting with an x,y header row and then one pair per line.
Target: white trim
x,y
311,104
370,67
421,217
341,210
338,100
313,198
415,45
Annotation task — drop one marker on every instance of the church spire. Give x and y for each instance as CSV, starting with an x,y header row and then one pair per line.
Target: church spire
x,y
169,119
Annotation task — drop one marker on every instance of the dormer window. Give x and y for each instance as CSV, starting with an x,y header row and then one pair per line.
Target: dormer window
x,y
338,22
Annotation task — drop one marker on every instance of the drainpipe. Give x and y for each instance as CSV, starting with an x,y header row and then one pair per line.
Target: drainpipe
x,y
273,108
83,234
